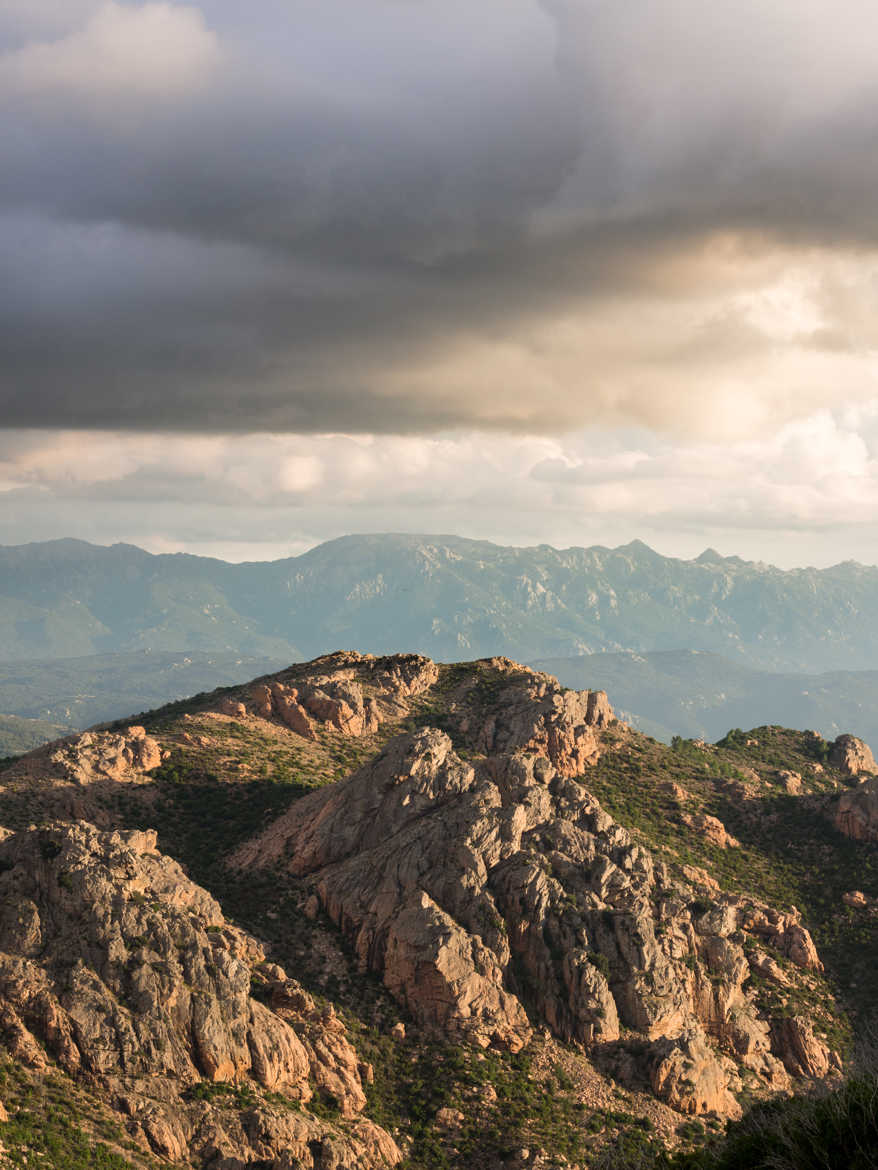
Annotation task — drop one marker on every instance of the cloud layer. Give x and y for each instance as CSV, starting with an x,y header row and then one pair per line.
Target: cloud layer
x,y
806,494
122,54
405,218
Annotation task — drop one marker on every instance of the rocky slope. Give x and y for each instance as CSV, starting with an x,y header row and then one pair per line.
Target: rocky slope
x,y
117,967
509,896
476,888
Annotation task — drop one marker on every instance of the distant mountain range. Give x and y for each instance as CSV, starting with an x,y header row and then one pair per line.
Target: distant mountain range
x,y
441,595
629,609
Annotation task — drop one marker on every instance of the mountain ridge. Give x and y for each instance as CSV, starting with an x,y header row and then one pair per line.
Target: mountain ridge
x,y
441,595
503,894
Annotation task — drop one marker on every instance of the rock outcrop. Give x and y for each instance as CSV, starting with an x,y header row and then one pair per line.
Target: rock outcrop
x,y
352,693
852,756
856,899
802,1053
533,713
856,812
106,755
686,1073
115,965
791,782
475,886
711,829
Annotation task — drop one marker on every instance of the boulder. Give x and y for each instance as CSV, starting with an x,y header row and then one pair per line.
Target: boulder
x,y
800,1050
791,782
852,756
690,1077
232,707
785,932
700,877
856,899
711,828
856,812
106,755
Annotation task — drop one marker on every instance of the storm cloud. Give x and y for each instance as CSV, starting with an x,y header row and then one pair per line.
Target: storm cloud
x,y
403,216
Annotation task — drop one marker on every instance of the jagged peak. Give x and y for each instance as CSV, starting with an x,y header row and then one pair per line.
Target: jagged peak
x,y
710,557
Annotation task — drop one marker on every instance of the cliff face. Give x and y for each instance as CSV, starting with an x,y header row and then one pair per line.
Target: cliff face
x,y
117,967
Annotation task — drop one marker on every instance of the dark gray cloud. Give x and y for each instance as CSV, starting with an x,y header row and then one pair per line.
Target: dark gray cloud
x,y
405,216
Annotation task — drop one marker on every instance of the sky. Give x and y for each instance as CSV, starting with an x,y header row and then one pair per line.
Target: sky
x,y
533,271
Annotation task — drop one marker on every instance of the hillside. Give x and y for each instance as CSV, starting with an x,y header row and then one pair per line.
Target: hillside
x,y
43,699
536,928
665,693
700,695
439,595
19,734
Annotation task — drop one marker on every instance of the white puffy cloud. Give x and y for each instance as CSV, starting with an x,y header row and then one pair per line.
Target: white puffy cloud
x,y
804,493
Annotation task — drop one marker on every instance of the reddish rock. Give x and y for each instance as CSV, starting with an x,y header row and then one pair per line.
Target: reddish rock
x,y
535,714
785,932
307,696
800,1050
455,880
852,755
106,755
712,829
115,965
791,782
691,1077
285,706
700,877
856,813
677,791
856,899
768,968
234,708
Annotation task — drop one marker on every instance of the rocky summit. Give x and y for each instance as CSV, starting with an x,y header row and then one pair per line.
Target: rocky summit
x,y
371,911
476,885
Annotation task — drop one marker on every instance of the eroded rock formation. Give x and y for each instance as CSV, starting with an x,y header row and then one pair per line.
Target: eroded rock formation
x,y
856,812
711,829
476,886
853,756
534,713
106,755
115,965
350,692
